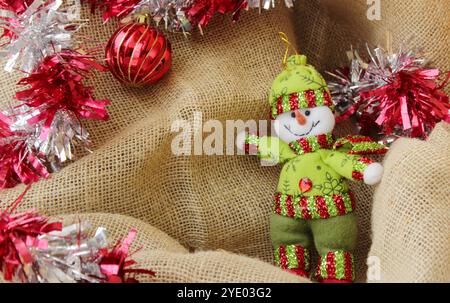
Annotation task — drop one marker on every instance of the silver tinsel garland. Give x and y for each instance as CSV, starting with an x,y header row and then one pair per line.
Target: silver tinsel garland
x,y
43,29
172,12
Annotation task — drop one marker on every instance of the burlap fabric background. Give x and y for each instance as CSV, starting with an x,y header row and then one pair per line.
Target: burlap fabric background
x,y
411,211
223,202
172,262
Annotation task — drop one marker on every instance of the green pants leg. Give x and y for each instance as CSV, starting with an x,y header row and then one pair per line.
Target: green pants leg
x,y
335,240
291,239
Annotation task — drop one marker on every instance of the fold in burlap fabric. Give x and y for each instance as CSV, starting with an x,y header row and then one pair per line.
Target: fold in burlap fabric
x,y
411,211
220,202
173,263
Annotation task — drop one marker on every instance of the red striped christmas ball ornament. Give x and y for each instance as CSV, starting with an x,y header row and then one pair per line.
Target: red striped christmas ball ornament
x,y
138,54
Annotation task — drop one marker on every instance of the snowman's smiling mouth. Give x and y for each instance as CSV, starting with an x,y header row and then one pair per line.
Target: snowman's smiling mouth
x,y
314,124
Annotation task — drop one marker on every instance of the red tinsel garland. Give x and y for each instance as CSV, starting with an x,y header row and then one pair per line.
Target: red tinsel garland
x,y
412,100
16,230
18,164
391,95
113,8
178,15
115,264
38,135
57,84
201,12
33,249
16,6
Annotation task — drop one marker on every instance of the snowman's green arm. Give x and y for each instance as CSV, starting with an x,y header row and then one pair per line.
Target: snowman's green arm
x,y
271,149
349,166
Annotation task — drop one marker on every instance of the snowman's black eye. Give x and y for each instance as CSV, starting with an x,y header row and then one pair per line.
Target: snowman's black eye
x,y
293,115
307,113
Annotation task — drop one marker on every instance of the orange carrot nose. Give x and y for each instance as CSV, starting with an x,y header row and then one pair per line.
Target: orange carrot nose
x,y
300,118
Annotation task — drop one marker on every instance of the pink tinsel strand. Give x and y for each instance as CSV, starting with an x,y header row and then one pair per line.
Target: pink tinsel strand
x,y
392,95
15,231
15,6
18,163
201,12
31,251
5,123
113,8
115,264
57,84
411,102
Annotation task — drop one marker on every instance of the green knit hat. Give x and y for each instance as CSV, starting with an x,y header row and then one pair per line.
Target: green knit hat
x,y
299,85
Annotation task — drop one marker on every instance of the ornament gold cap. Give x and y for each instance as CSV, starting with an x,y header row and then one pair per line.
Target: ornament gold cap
x,y
142,18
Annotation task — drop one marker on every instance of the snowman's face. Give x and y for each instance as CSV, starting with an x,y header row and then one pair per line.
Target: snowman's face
x,y
307,122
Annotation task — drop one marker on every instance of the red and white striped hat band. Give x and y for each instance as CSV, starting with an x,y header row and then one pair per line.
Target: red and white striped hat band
x,y
306,99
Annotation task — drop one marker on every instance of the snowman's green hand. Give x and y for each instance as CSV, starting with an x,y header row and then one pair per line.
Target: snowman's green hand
x,y
271,149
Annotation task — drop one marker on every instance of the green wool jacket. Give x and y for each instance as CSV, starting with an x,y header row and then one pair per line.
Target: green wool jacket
x,y
312,182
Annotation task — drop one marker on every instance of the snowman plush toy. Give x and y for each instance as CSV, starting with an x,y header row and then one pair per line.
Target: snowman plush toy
x,y
313,206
